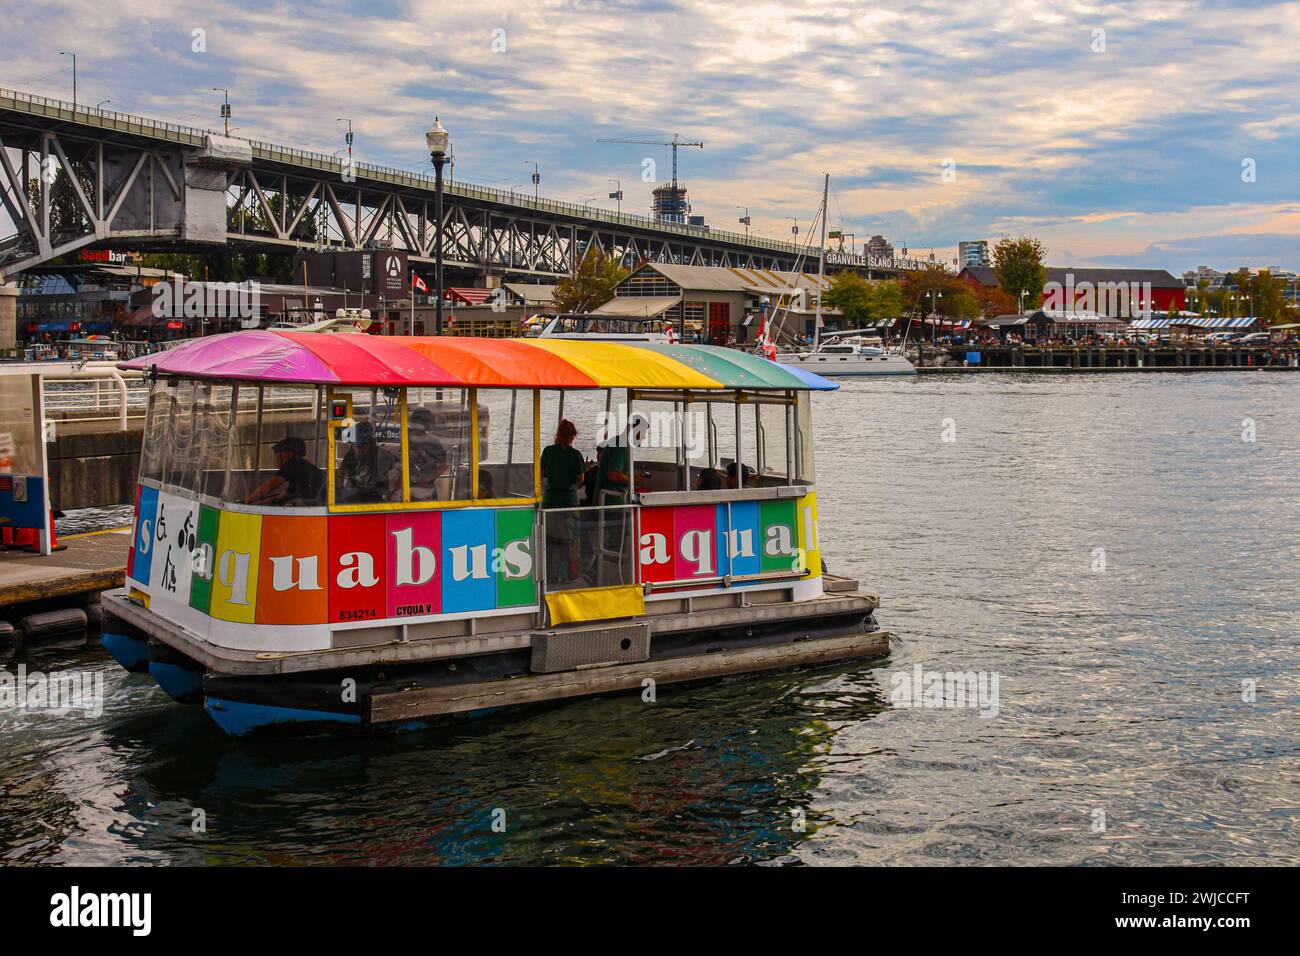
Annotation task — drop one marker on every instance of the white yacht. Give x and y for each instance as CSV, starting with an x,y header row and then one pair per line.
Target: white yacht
x,y
606,328
835,354
850,353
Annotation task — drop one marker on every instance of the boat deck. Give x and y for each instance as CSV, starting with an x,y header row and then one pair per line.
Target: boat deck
x,y
842,601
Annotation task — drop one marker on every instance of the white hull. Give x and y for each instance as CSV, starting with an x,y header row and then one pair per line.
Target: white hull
x,y
832,365
659,337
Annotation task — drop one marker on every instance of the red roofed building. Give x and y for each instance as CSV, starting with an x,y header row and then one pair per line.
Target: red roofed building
x,y
1122,293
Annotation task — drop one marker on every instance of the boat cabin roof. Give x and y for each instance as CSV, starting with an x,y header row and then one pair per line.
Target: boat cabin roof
x,y
286,357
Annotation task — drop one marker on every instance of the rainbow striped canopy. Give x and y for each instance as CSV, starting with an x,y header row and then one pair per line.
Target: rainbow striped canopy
x,y
340,358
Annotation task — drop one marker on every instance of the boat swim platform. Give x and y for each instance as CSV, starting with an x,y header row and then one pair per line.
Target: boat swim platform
x,y
385,708
665,619
90,563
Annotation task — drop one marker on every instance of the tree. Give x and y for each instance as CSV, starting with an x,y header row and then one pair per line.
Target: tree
x,y
952,295
861,300
886,299
1019,267
994,301
591,284
851,295
1270,298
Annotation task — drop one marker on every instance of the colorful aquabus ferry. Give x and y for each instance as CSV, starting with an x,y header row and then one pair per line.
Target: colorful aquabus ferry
x,y
337,530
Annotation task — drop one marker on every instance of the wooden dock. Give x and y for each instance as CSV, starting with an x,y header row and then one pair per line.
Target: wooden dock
x,y
1162,358
91,563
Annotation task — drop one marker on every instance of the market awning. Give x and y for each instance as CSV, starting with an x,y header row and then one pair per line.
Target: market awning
x,y
469,296
1196,321
1224,322
344,359
638,306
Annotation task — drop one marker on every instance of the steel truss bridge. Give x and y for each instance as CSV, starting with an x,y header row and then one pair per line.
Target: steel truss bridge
x,y
71,177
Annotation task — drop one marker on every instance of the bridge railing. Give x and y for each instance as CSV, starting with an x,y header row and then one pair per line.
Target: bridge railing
x,y
109,119
191,135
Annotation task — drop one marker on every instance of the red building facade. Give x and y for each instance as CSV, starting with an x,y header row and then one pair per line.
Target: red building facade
x,y
1122,293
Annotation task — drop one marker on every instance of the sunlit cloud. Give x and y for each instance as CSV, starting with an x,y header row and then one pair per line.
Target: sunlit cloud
x,y
1123,140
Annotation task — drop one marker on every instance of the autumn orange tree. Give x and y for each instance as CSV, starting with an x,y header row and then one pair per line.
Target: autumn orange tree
x,y
953,296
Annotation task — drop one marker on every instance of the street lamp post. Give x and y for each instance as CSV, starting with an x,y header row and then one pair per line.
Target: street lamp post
x,y
744,220
348,137
225,105
794,230
617,194
74,76
101,103
934,295
537,176
438,140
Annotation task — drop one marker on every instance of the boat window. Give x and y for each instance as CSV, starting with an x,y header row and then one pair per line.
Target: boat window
x,y
368,464
802,442
595,416
506,444
247,402
440,429
277,446
772,466
153,453
212,414
181,471
671,445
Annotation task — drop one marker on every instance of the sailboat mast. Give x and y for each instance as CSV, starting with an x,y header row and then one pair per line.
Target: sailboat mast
x,y
821,266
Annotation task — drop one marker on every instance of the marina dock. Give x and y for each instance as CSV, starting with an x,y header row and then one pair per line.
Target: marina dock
x,y
91,563
1164,358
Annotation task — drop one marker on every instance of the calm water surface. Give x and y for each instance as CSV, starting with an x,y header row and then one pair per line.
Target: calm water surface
x,y
1119,690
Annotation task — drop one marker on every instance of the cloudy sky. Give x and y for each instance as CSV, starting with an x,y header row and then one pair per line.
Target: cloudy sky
x,y
1162,133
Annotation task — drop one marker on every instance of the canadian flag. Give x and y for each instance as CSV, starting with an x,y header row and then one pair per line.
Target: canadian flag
x,y
672,335
418,284
766,347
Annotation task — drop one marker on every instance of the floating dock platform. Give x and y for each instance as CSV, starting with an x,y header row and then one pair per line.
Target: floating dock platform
x,y
90,563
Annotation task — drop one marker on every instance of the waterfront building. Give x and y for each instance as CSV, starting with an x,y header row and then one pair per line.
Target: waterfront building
x,y
714,303
61,301
880,248
670,203
1121,293
973,253
1212,278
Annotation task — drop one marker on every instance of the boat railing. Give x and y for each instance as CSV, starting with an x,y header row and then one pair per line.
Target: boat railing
x,y
91,392
589,546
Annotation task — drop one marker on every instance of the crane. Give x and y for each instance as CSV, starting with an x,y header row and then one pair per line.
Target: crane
x,y
646,141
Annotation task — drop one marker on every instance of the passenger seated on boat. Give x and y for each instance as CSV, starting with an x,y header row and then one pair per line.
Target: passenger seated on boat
x,y
297,482
731,476
710,479
427,455
365,474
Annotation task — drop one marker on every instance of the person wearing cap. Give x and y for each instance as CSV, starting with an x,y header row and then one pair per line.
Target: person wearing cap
x,y
427,454
366,473
296,482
